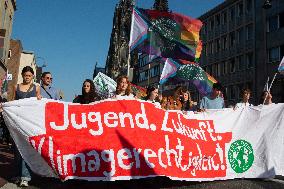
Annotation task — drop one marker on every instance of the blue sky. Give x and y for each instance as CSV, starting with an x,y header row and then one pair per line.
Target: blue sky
x,y
72,35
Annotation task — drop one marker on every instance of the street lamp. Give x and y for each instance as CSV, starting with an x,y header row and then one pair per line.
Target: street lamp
x,y
44,62
39,68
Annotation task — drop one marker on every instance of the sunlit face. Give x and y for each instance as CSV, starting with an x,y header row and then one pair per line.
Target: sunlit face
x,y
185,96
123,84
47,79
27,77
87,87
154,94
246,96
216,92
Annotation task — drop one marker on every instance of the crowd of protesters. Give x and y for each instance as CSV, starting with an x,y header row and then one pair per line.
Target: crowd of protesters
x,y
180,100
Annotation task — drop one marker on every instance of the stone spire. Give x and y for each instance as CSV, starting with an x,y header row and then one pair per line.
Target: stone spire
x,y
116,63
161,5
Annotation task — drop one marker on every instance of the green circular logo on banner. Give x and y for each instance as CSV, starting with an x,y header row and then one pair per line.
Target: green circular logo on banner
x,y
240,156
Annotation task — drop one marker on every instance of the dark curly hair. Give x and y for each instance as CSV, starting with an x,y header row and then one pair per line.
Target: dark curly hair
x,y
27,69
91,96
149,90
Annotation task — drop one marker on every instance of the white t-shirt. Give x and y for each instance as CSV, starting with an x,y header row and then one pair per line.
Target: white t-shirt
x,y
243,104
125,97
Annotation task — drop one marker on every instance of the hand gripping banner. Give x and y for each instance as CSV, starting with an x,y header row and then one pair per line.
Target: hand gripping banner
x,y
131,139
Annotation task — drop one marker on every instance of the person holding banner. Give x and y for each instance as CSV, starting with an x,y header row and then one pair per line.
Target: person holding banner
x,y
47,91
152,94
266,98
215,100
185,99
245,101
89,94
123,88
26,89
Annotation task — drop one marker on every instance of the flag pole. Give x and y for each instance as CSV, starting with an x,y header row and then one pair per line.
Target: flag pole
x,y
266,86
270,87
150,54
272,81
128,63
129,44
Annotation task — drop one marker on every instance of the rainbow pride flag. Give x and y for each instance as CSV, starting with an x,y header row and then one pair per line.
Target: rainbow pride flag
x,y
182,70
165,34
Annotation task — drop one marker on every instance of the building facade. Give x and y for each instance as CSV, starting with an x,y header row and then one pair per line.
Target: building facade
x,y
118,56
97,70
13,65
7,9
148,69
27,59
242,47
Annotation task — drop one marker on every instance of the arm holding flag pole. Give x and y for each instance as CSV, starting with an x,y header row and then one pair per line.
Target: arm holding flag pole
x,y
281,71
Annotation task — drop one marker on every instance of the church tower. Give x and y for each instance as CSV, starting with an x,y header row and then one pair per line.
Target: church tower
x,y
161,5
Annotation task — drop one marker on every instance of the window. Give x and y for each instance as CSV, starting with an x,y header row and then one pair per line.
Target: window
x,y
224,20
211,46
142,76
212,24
273,23
240,35
281,20
151,73
225,68
282,51
232,65
156,70
218,69
249,32
146,74
248,6
274,54
225,42
4,14
237,91
232,14
143,60
249,60
207,49
241,63
232,39
213,70
218,19
9,54
225,91
232,91
205,28
209,70
240,9
218,45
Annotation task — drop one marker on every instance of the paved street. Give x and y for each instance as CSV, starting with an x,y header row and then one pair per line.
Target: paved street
x,y
7,171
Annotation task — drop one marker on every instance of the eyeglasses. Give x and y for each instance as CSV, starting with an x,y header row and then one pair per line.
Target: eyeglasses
x,y
49,78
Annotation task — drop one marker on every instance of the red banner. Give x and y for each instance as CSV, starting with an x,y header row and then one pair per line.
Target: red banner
x,y
127,139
